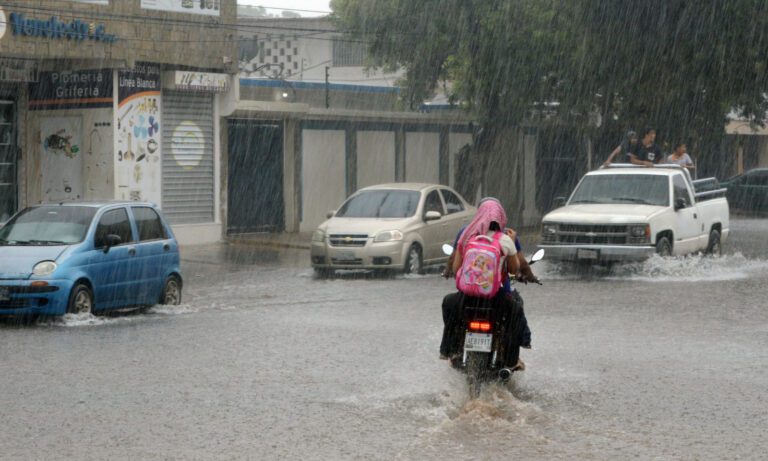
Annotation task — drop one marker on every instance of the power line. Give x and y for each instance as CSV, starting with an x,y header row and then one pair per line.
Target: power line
x,y
283,9
279,8
211,23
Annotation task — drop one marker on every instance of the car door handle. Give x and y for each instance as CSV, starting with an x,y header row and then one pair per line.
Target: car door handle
x,y
166,247
131,251
695,216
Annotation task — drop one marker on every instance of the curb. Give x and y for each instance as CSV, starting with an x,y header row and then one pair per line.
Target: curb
x,y
268,243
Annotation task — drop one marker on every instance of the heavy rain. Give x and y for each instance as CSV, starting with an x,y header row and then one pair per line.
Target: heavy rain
x,y
242,229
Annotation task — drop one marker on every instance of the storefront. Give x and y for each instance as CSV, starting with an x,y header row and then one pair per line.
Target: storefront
x,y
95,105
190,175
14,75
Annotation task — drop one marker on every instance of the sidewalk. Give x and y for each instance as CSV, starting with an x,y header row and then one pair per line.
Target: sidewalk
x,y
296,240
529,237
251,251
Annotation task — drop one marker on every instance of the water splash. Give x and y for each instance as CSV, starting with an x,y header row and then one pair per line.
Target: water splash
x,y
693,268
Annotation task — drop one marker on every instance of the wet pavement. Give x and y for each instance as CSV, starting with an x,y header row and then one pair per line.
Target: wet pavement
x,y
662,360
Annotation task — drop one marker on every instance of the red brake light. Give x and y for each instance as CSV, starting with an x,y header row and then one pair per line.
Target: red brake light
x,y
480,326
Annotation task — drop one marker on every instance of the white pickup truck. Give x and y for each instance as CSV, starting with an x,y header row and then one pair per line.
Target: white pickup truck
x,y
628,213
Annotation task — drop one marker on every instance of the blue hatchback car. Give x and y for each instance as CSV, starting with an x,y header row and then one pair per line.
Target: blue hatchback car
x,y
87,257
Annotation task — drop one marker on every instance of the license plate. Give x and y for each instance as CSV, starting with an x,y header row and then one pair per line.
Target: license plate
x,y
478,342
583,253
345,255
5,295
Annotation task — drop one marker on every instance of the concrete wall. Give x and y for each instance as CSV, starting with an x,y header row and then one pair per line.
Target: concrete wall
x,y
422,157
511,175
375,158
142,35
323,175
455,142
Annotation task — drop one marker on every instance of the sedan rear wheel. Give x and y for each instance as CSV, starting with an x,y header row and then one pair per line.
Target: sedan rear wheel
x,y
171,291
80,300
414,262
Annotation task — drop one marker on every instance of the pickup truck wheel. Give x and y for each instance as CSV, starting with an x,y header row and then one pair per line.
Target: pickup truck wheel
x,y
664,247
714,247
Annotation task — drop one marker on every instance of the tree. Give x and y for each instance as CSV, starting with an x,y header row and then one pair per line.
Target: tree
x,y
679,65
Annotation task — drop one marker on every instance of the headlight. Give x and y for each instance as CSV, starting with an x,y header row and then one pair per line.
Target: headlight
x,y
318,236
44,268
388,236
549,229
637,231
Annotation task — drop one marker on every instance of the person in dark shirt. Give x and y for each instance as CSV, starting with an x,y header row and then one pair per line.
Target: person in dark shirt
x,y
648,153
628,145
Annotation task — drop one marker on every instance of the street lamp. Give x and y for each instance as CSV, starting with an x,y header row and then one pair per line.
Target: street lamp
x,y
279,76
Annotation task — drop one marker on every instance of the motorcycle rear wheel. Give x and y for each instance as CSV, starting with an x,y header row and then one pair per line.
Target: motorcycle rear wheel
x,y
476,362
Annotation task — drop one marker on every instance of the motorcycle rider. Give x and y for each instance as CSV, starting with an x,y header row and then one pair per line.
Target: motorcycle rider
x,y
490,218
525,275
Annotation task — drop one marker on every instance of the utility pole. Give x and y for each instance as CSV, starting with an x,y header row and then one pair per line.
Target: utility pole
x,y
327,95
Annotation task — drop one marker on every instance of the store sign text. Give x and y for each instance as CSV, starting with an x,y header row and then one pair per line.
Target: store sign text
x,y
55,28
201,81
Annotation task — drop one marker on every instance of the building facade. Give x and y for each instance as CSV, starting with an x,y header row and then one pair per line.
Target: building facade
x,y
116,99
311,125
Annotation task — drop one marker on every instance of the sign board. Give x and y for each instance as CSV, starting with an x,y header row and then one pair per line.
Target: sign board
x,y
71,89
206,82
3,23
17,70
206,7
138,137
55,28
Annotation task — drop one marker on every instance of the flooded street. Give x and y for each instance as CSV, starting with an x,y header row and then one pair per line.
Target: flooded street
x,y
663,360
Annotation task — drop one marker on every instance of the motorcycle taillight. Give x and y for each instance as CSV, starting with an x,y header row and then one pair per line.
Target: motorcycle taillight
x,y
480,326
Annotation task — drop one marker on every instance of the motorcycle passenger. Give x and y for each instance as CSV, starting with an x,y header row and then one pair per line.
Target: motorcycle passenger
x,y
489,220
525,275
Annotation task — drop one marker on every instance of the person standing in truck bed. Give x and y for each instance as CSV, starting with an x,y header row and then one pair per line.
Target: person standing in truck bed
x,y
648,153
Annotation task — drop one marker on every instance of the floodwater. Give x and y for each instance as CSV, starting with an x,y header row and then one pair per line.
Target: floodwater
x,y
662,360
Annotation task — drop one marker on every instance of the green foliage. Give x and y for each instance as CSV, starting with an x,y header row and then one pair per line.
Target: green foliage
x,y
679,65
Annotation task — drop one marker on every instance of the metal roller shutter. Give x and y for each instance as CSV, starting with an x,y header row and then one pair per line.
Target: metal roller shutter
x,y
188,160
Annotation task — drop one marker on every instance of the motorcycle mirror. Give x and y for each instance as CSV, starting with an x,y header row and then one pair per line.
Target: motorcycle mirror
x,y
448,250
538,256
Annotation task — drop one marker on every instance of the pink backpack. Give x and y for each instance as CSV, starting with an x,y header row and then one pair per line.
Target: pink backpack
x,y
480,274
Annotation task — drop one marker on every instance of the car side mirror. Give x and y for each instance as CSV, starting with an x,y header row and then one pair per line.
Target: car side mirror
x,y
432,216
680,203
559,201
330,214
110,241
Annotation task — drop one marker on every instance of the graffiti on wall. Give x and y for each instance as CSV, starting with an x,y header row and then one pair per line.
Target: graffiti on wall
x,y
61,162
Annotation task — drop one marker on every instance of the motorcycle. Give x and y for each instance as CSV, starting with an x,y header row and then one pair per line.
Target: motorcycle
x,y
482,346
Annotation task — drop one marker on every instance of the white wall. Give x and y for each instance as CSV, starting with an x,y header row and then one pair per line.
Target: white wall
x,y
375,158
422,157
323,175
455,142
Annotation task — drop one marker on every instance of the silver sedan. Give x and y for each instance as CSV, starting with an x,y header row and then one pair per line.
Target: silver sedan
x,y
398,226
